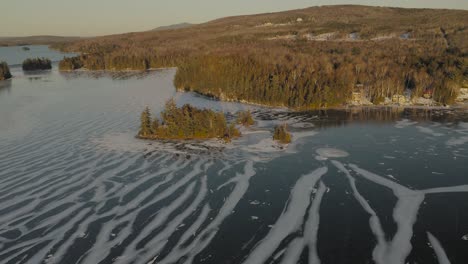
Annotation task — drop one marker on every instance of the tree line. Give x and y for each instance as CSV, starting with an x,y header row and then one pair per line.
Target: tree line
x,y
326,76
302,75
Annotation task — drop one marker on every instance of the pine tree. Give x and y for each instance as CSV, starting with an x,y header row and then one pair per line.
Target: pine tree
x,y
4,71
281,134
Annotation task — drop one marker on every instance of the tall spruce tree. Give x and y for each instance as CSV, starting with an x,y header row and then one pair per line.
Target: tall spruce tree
x,y
145,126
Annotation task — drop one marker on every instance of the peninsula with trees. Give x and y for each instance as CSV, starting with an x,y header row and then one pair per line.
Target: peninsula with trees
x,y
318,57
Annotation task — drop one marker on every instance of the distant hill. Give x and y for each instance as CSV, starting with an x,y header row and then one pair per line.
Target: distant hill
x,y
175,26
308,58
35,40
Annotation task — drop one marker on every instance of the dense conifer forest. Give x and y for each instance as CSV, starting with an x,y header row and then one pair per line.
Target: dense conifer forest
x,y
37,64
302,59
4,71
186,122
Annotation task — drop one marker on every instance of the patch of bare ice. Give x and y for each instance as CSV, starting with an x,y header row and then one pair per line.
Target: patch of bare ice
x,y
332,153
404,123
255,202
266,145
457,141
302,125
120,142
320,158
125,142
464,126
438,249
429,131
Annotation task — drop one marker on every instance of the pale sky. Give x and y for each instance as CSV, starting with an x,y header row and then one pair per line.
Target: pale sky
x,y
102,17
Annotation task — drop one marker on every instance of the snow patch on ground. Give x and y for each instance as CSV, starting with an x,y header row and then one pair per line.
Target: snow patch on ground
x,y
463,95
423,101
284,37
320,37
384,37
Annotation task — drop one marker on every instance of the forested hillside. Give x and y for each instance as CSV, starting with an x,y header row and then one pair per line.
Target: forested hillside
x,y
308,58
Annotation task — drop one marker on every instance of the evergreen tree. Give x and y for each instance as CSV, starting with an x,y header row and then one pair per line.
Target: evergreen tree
x,y
245,118
4,71
145,126
281,134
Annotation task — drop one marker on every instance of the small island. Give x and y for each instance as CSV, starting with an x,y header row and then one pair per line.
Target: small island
x,y
4,71
26,49
186,123
37,64
282,135
245,118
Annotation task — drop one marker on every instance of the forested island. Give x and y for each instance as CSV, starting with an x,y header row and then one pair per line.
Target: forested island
x,y
281,134
37,64
4,71
311,58
245,118
186,123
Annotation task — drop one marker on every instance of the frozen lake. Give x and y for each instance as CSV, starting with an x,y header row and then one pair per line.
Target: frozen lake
x,y
384,186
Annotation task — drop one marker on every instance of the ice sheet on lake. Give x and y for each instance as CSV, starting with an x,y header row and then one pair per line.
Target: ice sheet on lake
x,y
404,123
429,131
331,153
125,142
266,145
204,237
456,141
262,147
438,249
290,220
404,214
302,125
